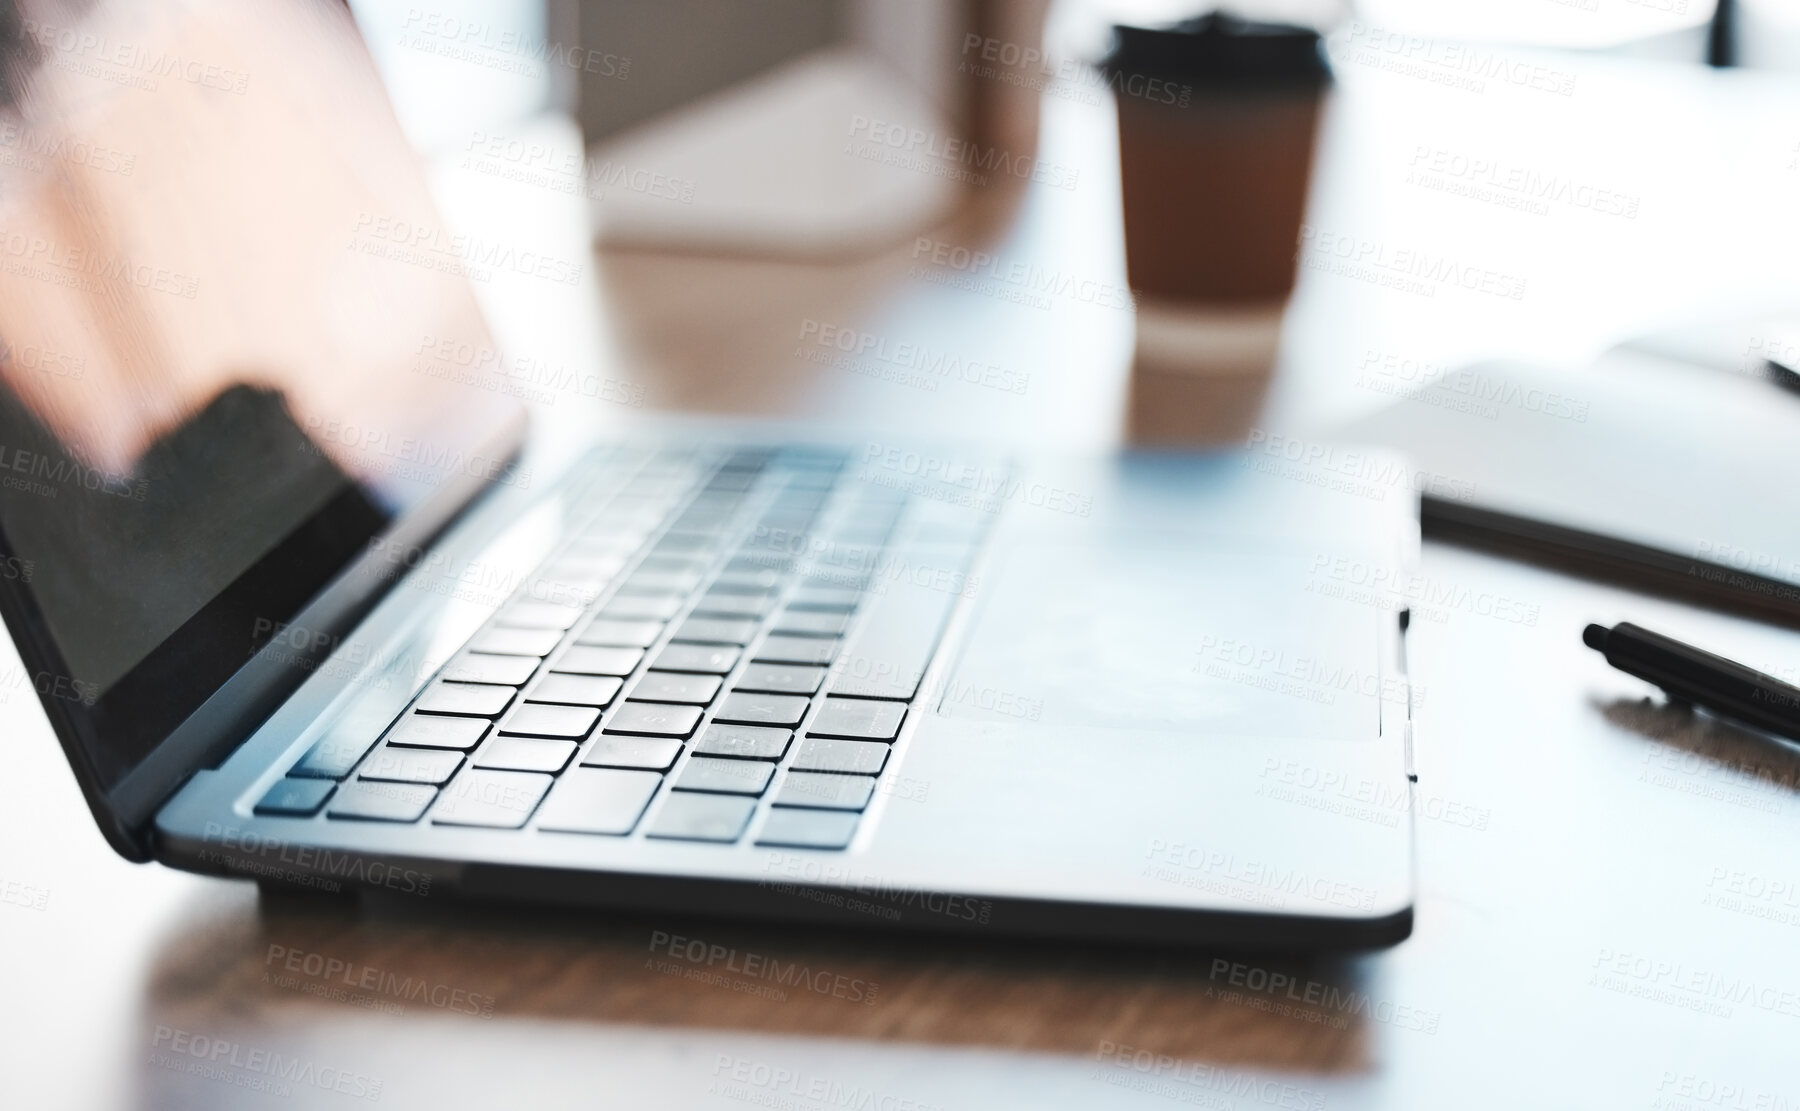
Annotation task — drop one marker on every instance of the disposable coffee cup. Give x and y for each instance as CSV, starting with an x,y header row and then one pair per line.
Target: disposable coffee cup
x,y
1217,121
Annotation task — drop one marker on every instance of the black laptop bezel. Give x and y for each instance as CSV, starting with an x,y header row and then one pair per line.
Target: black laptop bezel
x,y
353,577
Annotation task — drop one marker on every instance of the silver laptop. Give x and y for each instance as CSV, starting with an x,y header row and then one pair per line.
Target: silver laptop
x,y
305,603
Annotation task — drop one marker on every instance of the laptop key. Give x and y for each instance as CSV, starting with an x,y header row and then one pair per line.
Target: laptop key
x,y
744,742
732,479
808,829
825,754
858,719
610,552
851,534
697,817
826,792
424,731
653,719
818,479
517,642
701,658
606,556
754,579
780,679
745,708
526,754
829,599
789,512
593,571
468,699
662,582
582,589
811,623
726,584
732,605
539,615
661,607
797,650
853,575
759,561
707,514
716,630
887,656
410,765
621,633
667,562
688,544
576,690
651,753
296,798
605,801
726,777
561,722
473,667
583,660
496,800
333,757
671,686
370,801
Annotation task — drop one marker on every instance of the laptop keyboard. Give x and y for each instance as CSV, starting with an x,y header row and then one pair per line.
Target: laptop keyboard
x,y
726,651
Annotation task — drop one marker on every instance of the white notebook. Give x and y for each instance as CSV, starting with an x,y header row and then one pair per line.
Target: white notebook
x,y
1647,469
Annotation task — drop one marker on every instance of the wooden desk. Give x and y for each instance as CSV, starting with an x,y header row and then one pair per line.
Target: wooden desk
x,y
1609,903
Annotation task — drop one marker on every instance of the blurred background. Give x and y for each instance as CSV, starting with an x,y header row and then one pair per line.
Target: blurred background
x,y
743,167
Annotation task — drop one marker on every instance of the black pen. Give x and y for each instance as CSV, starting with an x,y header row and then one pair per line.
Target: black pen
x,y
1689,675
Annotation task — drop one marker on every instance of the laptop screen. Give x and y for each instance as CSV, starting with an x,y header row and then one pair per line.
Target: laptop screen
x,y
227,303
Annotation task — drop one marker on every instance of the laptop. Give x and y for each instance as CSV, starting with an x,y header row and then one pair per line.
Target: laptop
x,y
309,600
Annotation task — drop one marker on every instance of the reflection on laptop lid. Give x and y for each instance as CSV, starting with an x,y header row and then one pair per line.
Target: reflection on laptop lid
x,y
218,262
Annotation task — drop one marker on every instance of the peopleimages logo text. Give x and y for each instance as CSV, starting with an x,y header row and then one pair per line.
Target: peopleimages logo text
x,y
508,42
33,256
208,1053
962,152
250,851
756,966
471,250
1021,275
932,364
81,44
353,974
1321,249
64,472
427,461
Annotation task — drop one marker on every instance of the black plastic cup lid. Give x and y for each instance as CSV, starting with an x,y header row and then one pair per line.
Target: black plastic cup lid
x,y
1219,51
